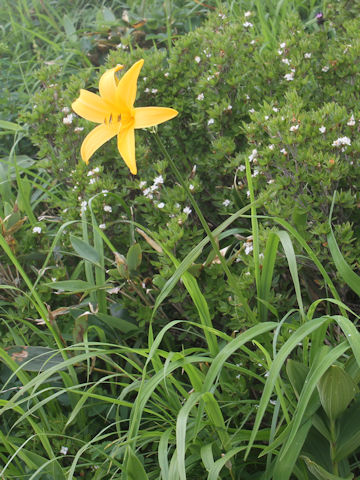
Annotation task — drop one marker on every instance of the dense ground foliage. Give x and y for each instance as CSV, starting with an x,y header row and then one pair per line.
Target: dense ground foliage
x,y
197,320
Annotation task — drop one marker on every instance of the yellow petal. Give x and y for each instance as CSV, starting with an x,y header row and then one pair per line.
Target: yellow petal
x,y
126,146
91,107
126,89
108,87
150,116
96,138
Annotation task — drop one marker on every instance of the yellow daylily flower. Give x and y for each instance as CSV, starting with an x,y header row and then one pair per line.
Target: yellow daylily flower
x,y
114,111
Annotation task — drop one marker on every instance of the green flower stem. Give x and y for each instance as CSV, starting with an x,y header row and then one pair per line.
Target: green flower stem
x,y
255,233
231,279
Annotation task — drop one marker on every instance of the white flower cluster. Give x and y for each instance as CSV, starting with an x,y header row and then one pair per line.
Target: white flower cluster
x,y
341,141
68,119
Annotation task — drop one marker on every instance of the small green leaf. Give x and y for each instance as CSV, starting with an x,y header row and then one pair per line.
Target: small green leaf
x,y
84,250
134,468
133,257
336,389
69,28
320,473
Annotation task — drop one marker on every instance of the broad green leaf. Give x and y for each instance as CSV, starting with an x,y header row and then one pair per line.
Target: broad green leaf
x,y
348,438
320,473
14,127
35,461
267,273
34,359
336,389
214,413
133,257
84,250
73,286
134,468
297,373
108,15
120,323
284,466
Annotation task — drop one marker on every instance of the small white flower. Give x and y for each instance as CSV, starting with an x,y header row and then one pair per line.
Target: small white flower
x,y
96,170
341,141
154,90
191,187
275,109
253,155
142,184
247,273
283,151
271,181
211,121
102,226
247,14
248,193
83,206
200,96
154,187
289,76
322,129
248,25
241,168
255,172
271,146
251,110
68,119
90,172
161,205
307,55
158,180
104,192
210,77
222,16
294,128
351,122
187,210
247,97
36,230
107,208
78,129
248,248
226,202
146,192
53,279
197,59
92,181
166,74
325,69
65,110
286,61
147,90
64,450
177,205
266,117
229,108
280,52
252,42
282,45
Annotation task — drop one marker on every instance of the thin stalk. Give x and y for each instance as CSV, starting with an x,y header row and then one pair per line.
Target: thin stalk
x,y
333,447
255,233
231,279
